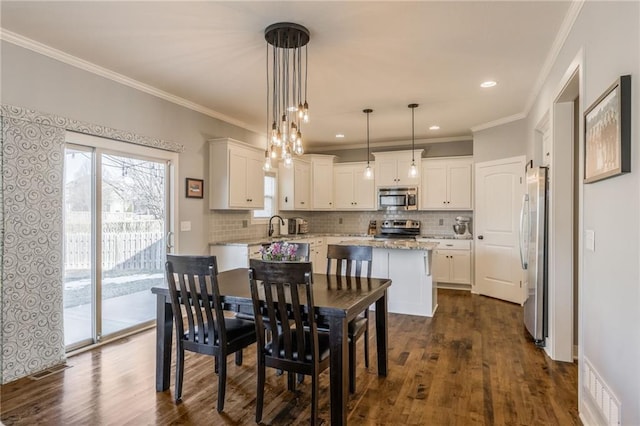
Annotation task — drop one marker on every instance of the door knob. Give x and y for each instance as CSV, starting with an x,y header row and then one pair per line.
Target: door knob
x,y
480,237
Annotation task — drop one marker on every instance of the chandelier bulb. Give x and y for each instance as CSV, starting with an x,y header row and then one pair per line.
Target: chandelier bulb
x,y
300,111
305,112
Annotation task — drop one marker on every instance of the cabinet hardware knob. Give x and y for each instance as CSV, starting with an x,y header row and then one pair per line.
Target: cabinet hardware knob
x,y
480,237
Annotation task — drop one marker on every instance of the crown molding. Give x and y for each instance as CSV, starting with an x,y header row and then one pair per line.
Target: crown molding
x,y
386,144
43,49
567,24
499,122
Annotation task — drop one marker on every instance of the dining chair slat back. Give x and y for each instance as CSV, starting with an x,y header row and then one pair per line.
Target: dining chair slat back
x,y
193,288
285,292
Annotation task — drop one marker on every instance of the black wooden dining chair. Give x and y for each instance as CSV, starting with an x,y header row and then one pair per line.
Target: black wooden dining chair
x,y
193,286
285,296
349,259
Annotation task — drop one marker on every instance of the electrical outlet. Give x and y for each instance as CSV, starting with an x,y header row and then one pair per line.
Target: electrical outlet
x,y
339,221
441,222
245,223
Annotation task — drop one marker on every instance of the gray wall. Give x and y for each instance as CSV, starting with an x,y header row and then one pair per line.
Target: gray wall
x,y
508,140
607,36
37,82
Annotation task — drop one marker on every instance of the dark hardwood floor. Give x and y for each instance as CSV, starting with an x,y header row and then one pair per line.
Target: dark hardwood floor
x,y
470,364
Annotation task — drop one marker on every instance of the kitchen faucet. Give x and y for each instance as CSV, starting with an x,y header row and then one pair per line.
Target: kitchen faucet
x,y
271,225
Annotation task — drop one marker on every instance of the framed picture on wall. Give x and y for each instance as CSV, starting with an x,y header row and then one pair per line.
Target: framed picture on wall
x,y
607,133
195,188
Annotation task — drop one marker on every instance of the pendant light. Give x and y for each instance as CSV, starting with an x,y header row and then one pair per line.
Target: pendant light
x,y
413,170
368,172
286,109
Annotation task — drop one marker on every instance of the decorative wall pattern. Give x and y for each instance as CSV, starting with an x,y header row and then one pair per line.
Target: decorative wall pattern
x,y
32,315
32,116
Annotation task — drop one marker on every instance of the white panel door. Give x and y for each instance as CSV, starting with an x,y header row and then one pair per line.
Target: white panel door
x,y
499,190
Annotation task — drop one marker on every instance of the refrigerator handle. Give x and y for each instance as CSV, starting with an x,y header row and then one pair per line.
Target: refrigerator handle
x,y
522,234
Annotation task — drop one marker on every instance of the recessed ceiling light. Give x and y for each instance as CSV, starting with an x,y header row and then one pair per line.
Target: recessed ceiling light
x,y
434,128
340,135
489,83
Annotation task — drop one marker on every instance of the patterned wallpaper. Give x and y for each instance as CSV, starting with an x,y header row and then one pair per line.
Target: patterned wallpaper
x,y
32,328
31,222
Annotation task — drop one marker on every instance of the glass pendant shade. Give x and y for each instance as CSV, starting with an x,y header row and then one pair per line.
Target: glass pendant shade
x,y
368,171
413,170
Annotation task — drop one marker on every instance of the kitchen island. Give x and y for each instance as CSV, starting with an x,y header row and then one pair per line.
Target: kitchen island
x,y
409,266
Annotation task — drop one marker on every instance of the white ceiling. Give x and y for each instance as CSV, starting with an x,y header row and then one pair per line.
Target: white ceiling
x,y
380,55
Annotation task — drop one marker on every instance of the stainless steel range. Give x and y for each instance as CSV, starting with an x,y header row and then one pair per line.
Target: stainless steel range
x,y
399,229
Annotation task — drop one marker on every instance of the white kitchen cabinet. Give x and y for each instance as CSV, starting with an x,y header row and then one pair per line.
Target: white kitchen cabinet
x,y
294,185
236,179
392,168
351,190
321,181
446,184
452,263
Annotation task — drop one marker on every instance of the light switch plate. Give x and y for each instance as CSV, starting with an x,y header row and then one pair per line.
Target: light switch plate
x,y
185,226
590,239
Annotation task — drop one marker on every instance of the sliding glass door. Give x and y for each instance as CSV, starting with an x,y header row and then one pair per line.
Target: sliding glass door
x,y
116,229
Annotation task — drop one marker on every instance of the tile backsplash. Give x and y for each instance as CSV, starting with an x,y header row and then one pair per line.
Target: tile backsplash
x,y
233,225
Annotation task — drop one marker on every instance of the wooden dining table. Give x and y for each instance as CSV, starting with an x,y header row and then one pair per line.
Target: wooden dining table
x,y
338,299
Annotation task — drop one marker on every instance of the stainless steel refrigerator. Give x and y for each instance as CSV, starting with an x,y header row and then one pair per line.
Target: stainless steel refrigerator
x,y
533,252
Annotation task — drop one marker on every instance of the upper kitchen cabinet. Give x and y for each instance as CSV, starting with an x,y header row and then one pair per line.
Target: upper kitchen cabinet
x,y
321,181
351,190
446,184
236,179
392,168
294,185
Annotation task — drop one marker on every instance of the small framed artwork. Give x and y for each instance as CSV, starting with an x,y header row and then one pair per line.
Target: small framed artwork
x,y
607,133
195,188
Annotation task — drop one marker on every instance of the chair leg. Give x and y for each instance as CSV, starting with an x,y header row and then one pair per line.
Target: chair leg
x,y
314,398
179,372
216,368
239,357
260,394
222,381
366,346
300,378
291,381
366,339
352,366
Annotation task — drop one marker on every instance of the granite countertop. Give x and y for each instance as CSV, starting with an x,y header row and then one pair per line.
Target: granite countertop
x,y
393,244
444,237
266,240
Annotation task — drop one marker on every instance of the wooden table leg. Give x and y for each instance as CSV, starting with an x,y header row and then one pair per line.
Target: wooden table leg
x,y
339,379
381,334
164,334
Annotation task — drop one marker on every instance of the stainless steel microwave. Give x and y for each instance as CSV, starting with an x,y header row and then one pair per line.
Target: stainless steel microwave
x,y
398,198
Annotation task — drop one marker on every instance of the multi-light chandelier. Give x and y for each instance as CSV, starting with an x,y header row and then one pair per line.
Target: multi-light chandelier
x,y
287,106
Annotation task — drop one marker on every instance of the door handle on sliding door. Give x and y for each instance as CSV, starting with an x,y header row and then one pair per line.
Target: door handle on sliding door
x,y
168,242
